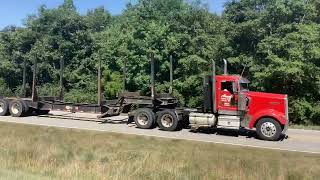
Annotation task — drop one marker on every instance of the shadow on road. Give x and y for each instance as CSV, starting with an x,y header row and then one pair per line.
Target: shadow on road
x,y
251,134
227,132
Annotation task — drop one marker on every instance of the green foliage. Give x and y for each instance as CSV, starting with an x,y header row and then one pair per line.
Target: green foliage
x,y
304,112
113,83
277,41
80,96
4,89
52,90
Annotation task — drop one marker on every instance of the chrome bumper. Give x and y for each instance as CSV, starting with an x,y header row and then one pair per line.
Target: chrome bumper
x,y
287,116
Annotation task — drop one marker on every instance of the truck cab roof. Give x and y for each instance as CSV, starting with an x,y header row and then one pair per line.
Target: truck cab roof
x,y
232,78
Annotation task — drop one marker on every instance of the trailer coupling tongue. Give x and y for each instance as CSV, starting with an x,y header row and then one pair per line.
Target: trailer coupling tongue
x,y
112,111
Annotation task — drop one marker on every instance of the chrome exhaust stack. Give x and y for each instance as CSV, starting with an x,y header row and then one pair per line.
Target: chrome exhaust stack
x,y
225,67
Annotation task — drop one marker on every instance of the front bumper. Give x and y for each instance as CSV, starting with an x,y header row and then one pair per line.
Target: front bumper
x,y
286,126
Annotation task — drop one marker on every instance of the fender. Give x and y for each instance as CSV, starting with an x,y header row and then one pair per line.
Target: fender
x,y
267,113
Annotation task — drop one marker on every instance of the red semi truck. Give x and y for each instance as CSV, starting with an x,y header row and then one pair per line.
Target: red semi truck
x,y
236,107
228,104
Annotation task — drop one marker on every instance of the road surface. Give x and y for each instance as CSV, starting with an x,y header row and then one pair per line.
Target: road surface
x,y
298,140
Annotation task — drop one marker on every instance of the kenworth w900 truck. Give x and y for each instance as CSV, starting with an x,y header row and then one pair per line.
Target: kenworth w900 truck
x,y
228,104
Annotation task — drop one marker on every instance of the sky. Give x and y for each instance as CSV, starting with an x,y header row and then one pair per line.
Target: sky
x,y
13,12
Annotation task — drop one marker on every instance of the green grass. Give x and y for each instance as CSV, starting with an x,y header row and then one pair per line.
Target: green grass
x,y
307,127
33,152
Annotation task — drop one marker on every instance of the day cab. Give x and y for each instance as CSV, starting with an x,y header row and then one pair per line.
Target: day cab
x,y
229,104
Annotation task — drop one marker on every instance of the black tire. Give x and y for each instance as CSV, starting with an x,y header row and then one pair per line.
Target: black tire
x,y
4,107
144,118
17,108
268,129
167,120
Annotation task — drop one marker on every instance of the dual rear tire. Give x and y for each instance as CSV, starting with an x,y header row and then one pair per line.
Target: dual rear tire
x,y
4,107
144,118
167,120
16,108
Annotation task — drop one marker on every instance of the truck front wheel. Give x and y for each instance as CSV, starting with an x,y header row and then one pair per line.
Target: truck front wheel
x,y
268,129
144,118
167,120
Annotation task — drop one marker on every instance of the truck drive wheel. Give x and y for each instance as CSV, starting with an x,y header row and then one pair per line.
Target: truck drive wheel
x,y
17,108
167,120
144,118
268,129
4,107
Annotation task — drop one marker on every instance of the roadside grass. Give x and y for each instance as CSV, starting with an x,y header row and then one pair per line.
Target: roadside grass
x,y
306,127
34,152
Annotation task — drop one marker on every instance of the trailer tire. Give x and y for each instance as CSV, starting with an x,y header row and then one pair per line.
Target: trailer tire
x,y
17,108
144,118
4,107
167,120
268,129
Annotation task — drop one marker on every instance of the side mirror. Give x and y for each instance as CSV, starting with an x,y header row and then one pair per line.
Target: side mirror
x,y
234,87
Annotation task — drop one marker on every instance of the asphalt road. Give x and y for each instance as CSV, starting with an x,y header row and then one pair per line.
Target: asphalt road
x,y
297,140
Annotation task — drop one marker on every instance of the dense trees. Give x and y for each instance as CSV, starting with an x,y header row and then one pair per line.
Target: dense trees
x,y
280,41
277,41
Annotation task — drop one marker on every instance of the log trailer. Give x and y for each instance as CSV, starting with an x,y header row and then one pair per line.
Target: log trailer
x,y
228,104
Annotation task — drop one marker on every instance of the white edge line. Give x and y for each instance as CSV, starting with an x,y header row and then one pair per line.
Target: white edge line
x,y
308,130
159,136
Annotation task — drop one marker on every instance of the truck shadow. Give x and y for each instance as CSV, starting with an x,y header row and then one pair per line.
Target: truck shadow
x,y
113,121
247,133
228,132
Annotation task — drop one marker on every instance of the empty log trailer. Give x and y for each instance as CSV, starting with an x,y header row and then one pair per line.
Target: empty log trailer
x,y
228,104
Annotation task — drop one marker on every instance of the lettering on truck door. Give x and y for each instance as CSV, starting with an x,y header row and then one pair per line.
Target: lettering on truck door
x,y
228,98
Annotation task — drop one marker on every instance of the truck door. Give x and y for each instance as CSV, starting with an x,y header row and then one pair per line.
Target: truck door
x,y
227,96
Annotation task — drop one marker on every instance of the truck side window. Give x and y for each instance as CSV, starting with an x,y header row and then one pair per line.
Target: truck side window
x,y
228,96
227,85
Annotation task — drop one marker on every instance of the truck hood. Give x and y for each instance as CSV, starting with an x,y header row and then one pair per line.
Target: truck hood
x,y
264,95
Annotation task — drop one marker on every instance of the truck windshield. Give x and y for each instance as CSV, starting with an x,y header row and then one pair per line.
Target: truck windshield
x,y
244,86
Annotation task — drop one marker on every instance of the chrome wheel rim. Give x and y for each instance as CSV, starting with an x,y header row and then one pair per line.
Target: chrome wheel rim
x,y
167,120
143,119
268,129
15,108
1,107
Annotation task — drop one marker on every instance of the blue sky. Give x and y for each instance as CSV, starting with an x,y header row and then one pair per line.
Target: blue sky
x,y
13,12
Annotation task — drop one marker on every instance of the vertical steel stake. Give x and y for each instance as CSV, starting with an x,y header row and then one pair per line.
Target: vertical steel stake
x,y
152,77
23,90
124,74
34,81
171,75
99,83
61,96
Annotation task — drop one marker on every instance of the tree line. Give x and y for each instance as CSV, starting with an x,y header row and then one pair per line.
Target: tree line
x,y
276,41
